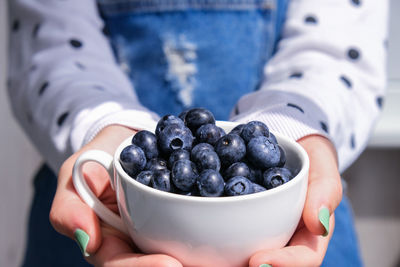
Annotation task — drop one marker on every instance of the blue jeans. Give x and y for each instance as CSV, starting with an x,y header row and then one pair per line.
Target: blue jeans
x,y
181,54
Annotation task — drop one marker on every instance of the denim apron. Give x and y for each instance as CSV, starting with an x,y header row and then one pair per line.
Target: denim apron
x,y
191,53
180,54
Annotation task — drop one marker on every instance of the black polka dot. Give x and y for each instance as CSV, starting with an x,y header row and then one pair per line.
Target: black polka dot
x,y
15,25
236,110
80,65
310,19
379,102
352,141
353,53
356,2
324,126
43,87
296,107
296,75
75,43
346,81
62,118
36,30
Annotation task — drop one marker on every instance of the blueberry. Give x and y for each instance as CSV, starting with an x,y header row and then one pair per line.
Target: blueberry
x,y
209,133
156,164
132,159
263,153
230,149
206,159
144,177
193,192
210,184
184,174
255,173
258,188
272,137
147,141
237,169
282,159
238,185
254,129
194,154
178,155
201,146
168,120
276,176
161,180
174,137
198,116
238,129
182,115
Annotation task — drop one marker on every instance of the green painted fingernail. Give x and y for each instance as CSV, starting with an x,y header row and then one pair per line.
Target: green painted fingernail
x,y
82,238
265,265
324,219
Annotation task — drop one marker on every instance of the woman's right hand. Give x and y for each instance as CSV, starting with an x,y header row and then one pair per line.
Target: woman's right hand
x,y
101,244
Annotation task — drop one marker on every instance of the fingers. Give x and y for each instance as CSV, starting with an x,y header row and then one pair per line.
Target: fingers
x,y
324,187
69,213
304,249
309,243
116,253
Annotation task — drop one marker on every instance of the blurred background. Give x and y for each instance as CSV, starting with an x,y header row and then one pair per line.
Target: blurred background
x,y
373,181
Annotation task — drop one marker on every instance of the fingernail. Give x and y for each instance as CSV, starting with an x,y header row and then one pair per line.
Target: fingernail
x,y
82,238
265,265
324,219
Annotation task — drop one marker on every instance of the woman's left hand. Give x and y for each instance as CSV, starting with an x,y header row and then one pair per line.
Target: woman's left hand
x,y
309,243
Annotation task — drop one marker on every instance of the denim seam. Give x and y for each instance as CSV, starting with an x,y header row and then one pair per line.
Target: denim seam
x,y
139,6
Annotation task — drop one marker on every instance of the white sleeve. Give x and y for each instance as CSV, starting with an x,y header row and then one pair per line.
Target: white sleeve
x,y
328,75
64,84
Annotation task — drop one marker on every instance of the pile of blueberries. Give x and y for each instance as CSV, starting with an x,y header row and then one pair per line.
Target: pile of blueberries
x,y
192,156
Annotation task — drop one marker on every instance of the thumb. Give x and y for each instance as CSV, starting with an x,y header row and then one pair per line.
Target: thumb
x,y
324,186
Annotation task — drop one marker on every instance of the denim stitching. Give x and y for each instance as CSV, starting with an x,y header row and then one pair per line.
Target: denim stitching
x,y
114,7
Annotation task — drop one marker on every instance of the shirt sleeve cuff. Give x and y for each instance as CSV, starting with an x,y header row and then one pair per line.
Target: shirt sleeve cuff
x,y
87,126
137,120
290,115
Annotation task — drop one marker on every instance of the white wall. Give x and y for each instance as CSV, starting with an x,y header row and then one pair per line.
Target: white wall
x,y
18,160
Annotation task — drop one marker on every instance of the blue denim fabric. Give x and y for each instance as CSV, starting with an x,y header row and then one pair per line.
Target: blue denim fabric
x,y
180,54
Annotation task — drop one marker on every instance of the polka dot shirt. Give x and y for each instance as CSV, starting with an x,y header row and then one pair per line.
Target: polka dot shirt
x,y
327,76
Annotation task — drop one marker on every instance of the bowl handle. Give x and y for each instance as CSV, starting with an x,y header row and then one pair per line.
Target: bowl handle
x,y
86,193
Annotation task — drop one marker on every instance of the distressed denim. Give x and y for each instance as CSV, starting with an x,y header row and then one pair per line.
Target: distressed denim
x,y
180,54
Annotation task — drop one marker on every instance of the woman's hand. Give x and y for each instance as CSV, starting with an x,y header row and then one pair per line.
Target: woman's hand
x,y
102,244
310,241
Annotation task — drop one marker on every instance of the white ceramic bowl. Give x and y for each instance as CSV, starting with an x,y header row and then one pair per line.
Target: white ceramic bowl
x,y
201,231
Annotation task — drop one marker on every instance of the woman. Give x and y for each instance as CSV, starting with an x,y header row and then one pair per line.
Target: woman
x,y
312,70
